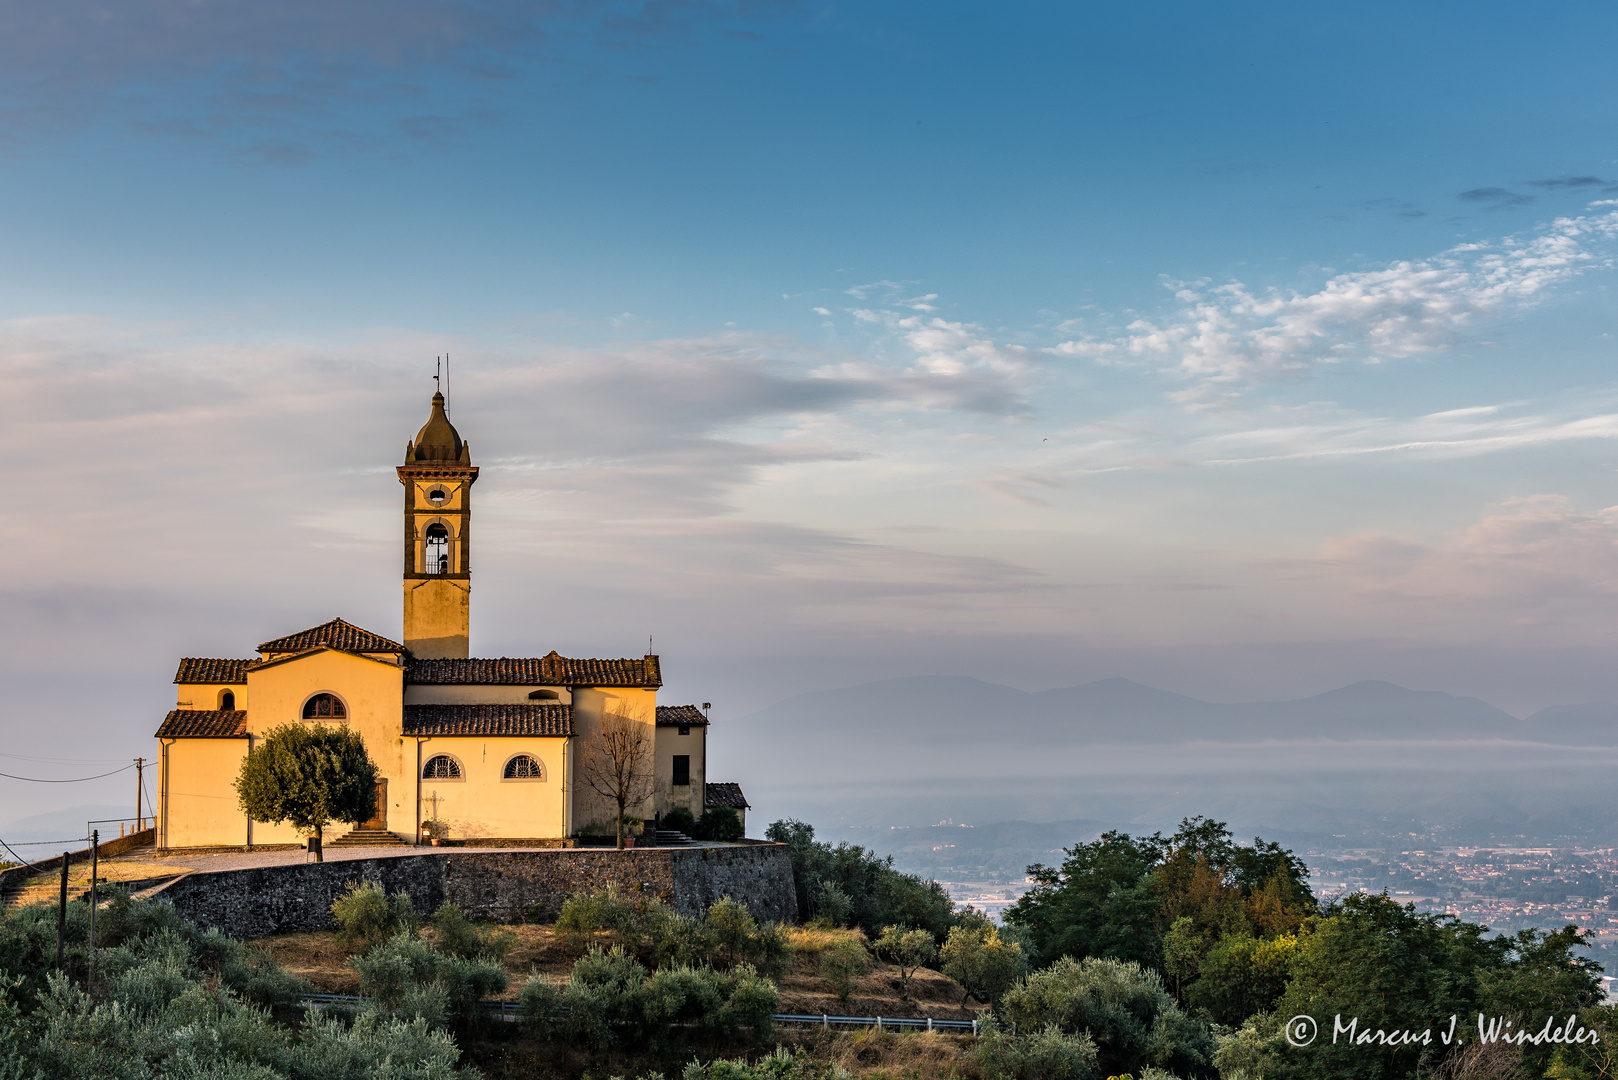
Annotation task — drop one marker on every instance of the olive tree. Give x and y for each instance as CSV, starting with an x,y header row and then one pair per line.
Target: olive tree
x,y
908,950
308,774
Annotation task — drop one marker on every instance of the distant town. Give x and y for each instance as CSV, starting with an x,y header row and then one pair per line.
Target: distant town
x,y
1504,887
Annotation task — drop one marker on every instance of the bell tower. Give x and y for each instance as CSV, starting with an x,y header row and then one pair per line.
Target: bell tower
x,y
438,475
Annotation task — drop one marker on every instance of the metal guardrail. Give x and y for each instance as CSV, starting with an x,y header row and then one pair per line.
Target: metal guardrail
x,y
881,1023
509,1010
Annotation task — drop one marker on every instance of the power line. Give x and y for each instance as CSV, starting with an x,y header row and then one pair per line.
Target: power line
x,y
62,760
76,780
24,861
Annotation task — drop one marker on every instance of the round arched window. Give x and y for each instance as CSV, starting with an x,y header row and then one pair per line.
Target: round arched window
x,y
441,767
324,707
227,699
524,767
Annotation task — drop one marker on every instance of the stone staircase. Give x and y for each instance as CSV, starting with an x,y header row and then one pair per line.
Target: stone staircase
x,y
672,838
22,895
366,838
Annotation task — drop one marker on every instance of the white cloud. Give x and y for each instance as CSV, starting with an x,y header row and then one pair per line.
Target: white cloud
x,y
1230,335
1533,561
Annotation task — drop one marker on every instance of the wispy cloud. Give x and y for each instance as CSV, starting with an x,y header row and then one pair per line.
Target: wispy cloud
x,y
287,82
1229,336
1534,560
1495,198
945,364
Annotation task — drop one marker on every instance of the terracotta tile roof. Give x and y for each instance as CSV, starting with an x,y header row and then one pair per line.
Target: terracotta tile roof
x,y
499,719
552,670
668,715
204,724
198,669
724,795
336,634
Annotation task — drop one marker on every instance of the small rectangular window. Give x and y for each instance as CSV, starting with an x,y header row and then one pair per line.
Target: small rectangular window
x,y
685,729
682,770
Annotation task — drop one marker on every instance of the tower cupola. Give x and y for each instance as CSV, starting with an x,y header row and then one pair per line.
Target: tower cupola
x,y
438,440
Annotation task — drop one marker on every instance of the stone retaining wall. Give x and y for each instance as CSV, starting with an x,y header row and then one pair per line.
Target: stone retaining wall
x,y
499,886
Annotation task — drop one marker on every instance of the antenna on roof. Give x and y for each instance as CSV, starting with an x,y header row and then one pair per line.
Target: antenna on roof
x,y
648,645
438,366
446,385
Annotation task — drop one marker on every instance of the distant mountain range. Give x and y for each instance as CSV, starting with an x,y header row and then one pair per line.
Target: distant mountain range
x,y
1116,712
1368,758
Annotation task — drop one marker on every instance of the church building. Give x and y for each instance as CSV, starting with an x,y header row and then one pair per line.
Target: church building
x,y
474,750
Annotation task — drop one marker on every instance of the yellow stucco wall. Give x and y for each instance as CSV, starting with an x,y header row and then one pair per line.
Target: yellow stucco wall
x,y
591,812
198,800
438,617
669,743
207,695
482,694
482,804
373,693
201,806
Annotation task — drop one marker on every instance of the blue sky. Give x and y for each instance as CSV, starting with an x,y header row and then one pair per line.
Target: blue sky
x,y
1245,350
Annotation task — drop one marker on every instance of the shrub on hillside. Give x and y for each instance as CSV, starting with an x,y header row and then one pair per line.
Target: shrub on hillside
x,y
1123,1007
656,935
411,979
175,1001
780,1065
983,962
1047,1053
833,908
876,893
456,935
841,964
366,915
908,950
611,997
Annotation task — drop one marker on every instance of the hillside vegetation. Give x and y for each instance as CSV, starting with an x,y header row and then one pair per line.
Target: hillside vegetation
x,y
1157,958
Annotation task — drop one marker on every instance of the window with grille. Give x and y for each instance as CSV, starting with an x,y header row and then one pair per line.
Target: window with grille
x,y
442,767
682,770
323,707
524,767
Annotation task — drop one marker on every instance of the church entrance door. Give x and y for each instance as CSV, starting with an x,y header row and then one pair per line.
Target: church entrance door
x,y
379,819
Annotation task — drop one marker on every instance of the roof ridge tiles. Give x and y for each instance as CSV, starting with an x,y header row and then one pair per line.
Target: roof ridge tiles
x,y
336,634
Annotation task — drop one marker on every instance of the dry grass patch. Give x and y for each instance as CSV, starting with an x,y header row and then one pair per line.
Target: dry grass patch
x,y
814,940
108,870
918,1055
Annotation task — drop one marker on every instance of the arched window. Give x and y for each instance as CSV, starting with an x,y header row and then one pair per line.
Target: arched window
x,y
442,767
524,767
437,496
324,707
544,695
435,554
227,699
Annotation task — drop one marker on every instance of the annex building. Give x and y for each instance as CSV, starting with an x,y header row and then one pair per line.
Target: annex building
x,y
483,750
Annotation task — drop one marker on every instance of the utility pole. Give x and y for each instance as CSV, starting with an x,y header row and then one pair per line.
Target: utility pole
x,y
95,853
140,767
61,912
